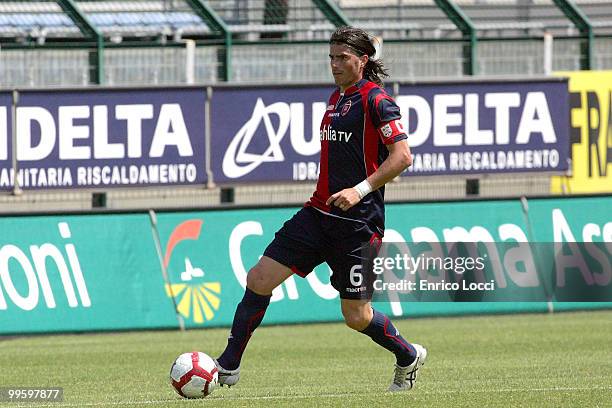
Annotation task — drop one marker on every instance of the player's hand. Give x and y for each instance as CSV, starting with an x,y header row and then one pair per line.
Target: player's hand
x,y
344,199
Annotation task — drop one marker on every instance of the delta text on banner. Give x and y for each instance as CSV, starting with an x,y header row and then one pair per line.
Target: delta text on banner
x,y
103,138
453,128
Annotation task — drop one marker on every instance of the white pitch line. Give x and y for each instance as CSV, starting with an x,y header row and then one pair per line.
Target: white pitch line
x,y
339,395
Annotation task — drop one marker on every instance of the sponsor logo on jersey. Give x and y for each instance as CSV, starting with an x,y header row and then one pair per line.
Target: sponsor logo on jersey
x,y
330,134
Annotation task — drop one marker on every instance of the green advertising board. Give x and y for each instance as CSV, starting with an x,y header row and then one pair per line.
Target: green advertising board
x,y
85,272
103,272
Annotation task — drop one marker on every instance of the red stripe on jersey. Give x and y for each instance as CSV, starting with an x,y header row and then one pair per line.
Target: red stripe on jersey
x,y
370,133
323,183
321,194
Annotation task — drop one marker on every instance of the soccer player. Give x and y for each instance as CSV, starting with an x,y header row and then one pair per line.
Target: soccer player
x,y
363,146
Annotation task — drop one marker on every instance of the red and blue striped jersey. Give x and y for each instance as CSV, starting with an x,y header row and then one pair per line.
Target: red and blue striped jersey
x,y
355,129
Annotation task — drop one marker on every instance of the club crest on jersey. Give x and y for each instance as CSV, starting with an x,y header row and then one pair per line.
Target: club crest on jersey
x,y
346,108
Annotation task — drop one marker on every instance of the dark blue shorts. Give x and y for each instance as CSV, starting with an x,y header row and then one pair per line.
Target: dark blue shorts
x,y
310,238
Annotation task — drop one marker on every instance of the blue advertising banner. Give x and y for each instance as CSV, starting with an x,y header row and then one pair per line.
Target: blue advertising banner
x,y
150,137
6,141
110,138
459,128
267,134
475,128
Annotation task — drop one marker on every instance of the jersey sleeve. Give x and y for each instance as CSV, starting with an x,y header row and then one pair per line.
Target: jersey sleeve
x,y
387,119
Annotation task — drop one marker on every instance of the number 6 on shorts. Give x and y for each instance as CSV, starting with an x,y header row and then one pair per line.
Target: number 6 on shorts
x,y
356,276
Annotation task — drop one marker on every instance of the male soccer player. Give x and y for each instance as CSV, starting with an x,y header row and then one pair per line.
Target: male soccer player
x,y
363,146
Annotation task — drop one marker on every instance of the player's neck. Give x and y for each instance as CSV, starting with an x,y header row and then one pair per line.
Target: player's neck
x,y
343,88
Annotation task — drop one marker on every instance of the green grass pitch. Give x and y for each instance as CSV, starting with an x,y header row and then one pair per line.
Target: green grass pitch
x,y
531,360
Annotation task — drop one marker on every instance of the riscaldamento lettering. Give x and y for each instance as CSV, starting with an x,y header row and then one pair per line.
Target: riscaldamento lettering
x,y
100,175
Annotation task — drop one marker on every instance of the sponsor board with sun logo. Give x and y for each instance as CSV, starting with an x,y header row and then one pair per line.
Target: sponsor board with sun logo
x,y
196,298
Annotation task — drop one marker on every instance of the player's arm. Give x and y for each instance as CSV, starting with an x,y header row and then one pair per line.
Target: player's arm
x,y
399,159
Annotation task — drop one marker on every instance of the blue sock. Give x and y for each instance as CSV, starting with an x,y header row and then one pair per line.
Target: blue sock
x,y
382,331
249,314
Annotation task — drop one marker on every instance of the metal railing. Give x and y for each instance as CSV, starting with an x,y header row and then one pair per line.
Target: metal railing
x,y
272,62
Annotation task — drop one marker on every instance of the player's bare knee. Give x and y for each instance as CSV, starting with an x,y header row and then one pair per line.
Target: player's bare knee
x,y
355,319
258,280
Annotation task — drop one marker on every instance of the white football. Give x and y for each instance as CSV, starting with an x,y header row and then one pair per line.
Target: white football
x,y
194,375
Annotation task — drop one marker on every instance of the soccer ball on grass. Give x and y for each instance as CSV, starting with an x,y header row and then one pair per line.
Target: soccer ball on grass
x,y
194,375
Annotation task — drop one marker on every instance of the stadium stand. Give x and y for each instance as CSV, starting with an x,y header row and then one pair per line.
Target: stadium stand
x,y
144,39
129,19
39,20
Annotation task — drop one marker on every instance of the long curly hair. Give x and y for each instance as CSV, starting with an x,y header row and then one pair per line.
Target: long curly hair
x,y
360,42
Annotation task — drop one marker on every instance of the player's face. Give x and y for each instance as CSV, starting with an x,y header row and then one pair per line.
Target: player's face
x,y
346,67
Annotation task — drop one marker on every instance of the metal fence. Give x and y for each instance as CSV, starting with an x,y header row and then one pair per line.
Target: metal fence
x,y
603,53
411,60
142,42
281,62
43,67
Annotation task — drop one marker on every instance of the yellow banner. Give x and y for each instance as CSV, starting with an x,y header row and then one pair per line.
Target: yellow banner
x,y
590,134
